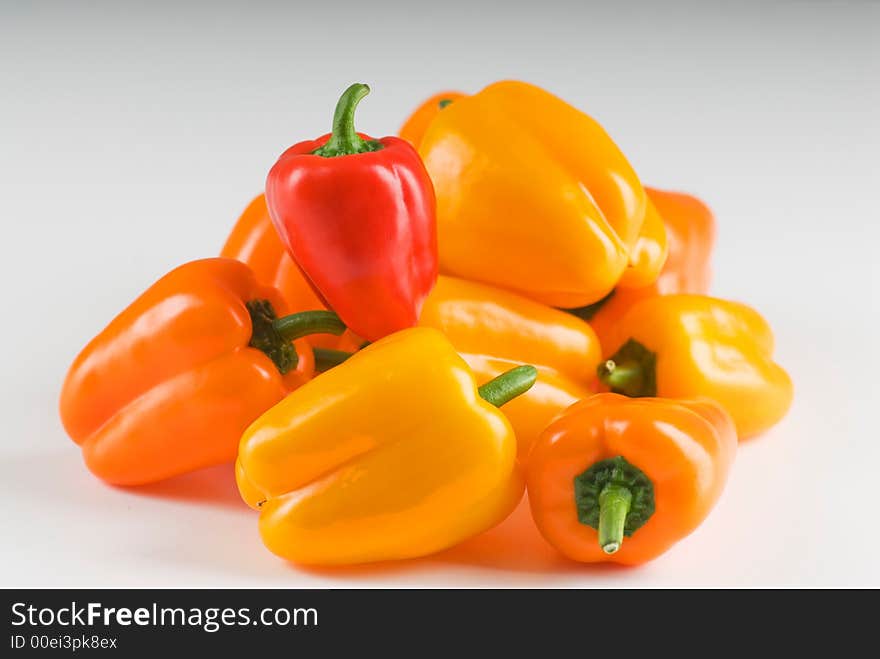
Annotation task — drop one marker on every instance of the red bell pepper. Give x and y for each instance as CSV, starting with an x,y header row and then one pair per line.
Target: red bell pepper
x,y
357,215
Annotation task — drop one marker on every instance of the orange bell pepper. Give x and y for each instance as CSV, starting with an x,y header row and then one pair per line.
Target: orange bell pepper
x,y
647,469
532,195
254,241
413,129
690,232
393,454
687,346
690,229
172,382
494,330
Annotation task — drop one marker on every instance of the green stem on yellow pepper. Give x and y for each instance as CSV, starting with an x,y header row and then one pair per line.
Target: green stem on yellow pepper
x,y
508,385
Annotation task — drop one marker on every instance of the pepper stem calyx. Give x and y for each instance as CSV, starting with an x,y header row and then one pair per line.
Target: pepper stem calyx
x,y
275,336
614,497
631,371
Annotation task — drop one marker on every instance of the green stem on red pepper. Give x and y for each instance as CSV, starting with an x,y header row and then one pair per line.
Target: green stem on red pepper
x,y
344,140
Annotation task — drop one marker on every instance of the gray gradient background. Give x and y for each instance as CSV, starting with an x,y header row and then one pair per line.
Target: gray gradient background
x,y
131,138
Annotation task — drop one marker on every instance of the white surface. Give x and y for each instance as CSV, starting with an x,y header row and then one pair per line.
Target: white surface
x,y
129,142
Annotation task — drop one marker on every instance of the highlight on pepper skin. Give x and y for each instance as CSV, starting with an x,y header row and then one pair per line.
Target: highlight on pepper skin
x,y
494,329
682,346
422,461
169,385
622,480
689,236
373,263
514,155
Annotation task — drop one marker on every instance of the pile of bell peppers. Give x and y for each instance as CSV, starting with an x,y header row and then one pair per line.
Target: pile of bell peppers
x,y
403,335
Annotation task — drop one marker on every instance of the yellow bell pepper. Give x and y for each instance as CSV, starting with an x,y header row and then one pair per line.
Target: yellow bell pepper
x,y
494,330
690,346
532,195
390,455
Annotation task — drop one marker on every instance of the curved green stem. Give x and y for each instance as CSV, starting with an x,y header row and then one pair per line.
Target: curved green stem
x,y
344,139
274,336
443,102
326,358
614,503
297,325
508,385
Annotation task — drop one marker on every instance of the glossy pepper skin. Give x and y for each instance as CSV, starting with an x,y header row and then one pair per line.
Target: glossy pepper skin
x,y
358,216
418,463
494,330
172,382
648,255
255,242
414,128
521,177
622,480
690,234
686,346
690,228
